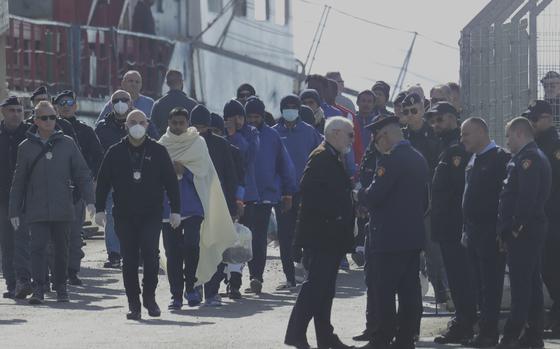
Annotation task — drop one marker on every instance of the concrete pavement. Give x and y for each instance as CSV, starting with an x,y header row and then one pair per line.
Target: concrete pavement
x,y
95,317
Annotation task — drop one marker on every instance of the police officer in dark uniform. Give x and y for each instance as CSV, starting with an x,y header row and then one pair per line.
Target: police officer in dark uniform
x,y
447,221
485,173
397,200
522,227
366,175
540,113
66,107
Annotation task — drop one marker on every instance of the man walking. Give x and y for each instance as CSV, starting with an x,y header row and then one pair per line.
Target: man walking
x,y
325,232
48,164
14,243
139,171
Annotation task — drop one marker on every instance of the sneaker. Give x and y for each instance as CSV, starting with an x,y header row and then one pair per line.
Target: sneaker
x,y
23,289
214,301
62,295
286,286
255,286
359,258
233,293
193,297
153,308
344,265
74,280
113,263
175,304
37,297
9,295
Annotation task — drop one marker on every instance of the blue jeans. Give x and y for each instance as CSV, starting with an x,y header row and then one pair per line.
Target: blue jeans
x,y
111,240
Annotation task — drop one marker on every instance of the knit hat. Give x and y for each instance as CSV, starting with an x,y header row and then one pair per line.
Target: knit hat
x,y
310,93
382,87
200,115
290,100
216,121
254,106
306,115
246,87
233,108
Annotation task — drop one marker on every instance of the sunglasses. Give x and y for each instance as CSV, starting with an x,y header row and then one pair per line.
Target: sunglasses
x,y
67,102
117,100
46,117
412,111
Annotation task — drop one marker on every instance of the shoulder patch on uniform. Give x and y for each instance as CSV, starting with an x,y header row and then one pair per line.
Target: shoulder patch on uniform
x,y
380,172
557,154
456,160
525,164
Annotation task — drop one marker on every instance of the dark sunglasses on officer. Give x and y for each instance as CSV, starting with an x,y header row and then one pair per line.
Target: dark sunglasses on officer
x,y
46,117
67,102
412,111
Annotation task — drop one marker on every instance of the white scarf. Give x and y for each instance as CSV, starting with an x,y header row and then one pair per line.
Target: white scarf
x,y
217,232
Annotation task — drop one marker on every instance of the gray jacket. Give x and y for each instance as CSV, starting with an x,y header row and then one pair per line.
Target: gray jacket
x,y
49,190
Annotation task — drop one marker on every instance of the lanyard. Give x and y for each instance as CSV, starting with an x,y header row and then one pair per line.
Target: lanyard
x,y
137,171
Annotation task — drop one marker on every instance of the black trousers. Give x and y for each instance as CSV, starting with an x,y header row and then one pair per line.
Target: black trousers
x,y
489,265
139,234
256,218
524,255
315,298
286,230
212,287
371,318
460,276
390,274
550,274
182,249
15,250
41,234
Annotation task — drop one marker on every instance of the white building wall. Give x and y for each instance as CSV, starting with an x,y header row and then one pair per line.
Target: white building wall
x,y
264,40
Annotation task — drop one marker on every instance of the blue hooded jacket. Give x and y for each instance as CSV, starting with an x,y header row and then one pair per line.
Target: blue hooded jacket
x,y
247,140
300,141
274,169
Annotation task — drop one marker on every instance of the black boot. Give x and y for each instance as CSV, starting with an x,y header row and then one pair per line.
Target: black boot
x,y
134,310
62,294
234,286
152,307
73,278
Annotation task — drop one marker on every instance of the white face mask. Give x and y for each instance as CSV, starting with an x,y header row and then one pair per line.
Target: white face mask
x,y
137,131
290,115
120,107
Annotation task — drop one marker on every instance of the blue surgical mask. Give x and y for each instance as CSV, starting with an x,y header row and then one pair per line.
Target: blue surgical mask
x,y
290,115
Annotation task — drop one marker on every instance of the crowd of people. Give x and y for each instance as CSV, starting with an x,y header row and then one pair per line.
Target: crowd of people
x,y
415,189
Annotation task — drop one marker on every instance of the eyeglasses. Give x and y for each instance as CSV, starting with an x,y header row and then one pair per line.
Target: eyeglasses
x,y
67,102
117,100
412,111
46,117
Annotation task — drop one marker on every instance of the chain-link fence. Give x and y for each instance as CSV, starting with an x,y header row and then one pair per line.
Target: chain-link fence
x,y
506,51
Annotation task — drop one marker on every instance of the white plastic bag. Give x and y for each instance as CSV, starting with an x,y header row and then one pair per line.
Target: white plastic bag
x,y
242,250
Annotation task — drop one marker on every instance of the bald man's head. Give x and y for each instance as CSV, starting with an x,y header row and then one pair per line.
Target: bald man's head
x,y
474,135
519,132
132,83
45,117
136,124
